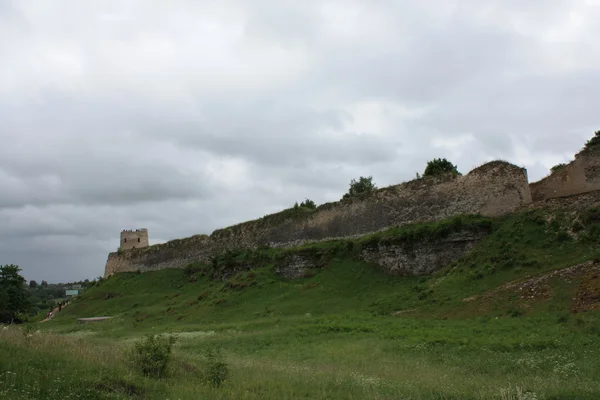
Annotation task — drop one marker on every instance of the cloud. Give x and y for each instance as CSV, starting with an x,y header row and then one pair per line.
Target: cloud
x,y
184,117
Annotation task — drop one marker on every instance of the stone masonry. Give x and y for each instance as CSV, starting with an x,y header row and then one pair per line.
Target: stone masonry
x,y
494,189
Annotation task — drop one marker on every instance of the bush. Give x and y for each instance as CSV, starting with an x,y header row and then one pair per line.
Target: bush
x,y
594,142
217,370
152,354
557,167
308,203
362,186
440,166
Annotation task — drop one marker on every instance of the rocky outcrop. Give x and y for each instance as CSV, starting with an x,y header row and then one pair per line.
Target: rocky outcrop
x,y
296,266
422,258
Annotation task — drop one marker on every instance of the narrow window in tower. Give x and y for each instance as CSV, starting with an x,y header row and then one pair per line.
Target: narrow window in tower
x,y
138,240
125,240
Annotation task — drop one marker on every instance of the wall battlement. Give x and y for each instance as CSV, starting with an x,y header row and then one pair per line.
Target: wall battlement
x,y
494,189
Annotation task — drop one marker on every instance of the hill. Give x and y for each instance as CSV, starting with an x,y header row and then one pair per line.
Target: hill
x,y
514,317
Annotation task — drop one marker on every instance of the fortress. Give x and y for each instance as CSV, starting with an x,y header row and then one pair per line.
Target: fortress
x,y
493,189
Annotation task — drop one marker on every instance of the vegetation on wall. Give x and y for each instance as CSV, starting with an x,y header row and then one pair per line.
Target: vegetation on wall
x,y
594,142
361,186
557,167
440,166
308,203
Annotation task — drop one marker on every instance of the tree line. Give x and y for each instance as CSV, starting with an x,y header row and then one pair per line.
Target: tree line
x,y
20,300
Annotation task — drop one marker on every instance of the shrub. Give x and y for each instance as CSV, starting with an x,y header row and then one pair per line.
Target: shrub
x,y
440,166
594,142
557,167
152,354
308,203
362,186
217,370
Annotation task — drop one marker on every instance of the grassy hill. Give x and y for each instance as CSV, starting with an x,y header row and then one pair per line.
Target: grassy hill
x,y
516,318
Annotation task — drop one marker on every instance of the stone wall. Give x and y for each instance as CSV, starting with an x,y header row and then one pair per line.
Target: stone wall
x,y
580,176
131,239
493,189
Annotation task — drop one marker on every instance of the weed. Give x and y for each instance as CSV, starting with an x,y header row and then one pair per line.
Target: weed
x,y
217,370
151,355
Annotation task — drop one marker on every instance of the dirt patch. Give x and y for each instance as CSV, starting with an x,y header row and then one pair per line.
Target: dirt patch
x,y
588,293
538,288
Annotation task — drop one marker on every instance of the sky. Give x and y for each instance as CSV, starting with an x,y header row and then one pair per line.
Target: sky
x,y
183,117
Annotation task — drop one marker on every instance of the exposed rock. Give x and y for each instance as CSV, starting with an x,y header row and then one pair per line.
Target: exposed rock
x,y
296,266
301,264
421,258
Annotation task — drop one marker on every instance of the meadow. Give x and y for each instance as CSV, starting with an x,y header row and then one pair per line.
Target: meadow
x,y
516,318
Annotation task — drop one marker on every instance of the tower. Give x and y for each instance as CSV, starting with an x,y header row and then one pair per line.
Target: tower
x,y
134,239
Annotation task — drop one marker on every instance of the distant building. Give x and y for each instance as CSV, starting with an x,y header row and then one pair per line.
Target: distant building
x,y
131,239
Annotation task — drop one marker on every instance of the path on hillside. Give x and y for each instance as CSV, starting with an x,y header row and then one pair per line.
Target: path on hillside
x,y
54,312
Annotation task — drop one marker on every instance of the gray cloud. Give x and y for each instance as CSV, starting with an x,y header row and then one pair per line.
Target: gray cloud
x,y
186,117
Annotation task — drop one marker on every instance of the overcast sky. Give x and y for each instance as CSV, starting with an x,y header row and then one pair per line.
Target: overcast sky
x,y
188,116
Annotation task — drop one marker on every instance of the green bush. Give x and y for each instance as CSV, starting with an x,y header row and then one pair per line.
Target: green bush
x,y
362,186
308,203
217,370
557,167
440,166
594,142
152,354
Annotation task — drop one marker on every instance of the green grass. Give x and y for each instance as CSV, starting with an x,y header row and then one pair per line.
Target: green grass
x,y
346,331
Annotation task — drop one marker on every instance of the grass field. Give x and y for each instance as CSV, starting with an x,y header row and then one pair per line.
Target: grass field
x,y
507,321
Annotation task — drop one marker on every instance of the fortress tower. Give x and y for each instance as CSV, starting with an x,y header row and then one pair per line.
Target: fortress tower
x,y
134,239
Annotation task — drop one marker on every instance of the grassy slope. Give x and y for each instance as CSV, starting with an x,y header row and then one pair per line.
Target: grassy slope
x,y
350,331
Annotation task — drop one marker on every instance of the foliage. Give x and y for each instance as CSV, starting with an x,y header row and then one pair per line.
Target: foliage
x,y
594,142
33,284
362,186
217,370
440,166
557,167
13,294
151,355
308,203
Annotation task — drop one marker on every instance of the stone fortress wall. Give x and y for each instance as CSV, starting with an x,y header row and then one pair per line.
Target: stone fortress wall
x,y
580,176
494,189
134,239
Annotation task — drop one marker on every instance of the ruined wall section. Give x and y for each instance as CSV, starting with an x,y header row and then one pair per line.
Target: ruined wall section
x,y
580,176
493,189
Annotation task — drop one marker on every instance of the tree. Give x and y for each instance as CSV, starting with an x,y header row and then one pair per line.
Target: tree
x,y
44,284
13,294
33,284
440,166
363,185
